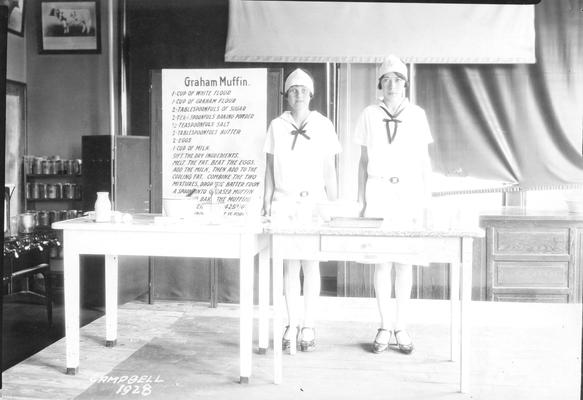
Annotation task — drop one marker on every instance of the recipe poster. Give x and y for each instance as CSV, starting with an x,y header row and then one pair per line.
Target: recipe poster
x,y
213,129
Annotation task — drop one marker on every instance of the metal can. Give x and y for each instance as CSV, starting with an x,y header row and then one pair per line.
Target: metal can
x,y
30,191
43,218
53,216
58,167
37,165
51,191
78,192
77,166
46,167
71,214
63,214
42,190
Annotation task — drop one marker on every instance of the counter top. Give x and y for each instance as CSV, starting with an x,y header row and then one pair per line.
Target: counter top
x,y
518,213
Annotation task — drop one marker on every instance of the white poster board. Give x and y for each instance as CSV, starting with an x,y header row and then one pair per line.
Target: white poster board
x,y
213,129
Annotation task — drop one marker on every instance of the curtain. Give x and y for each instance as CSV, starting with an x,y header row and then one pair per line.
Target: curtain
x,y
493,125
365,32
515,123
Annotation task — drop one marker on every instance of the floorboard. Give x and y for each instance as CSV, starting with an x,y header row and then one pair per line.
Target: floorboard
x,y
183,350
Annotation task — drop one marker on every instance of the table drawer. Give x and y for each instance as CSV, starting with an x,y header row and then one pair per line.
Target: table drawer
x,y
370,244
532,241
531,274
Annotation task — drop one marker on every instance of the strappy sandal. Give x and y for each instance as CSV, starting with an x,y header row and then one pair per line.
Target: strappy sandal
x,y
308,345
403,348
286,343
379,347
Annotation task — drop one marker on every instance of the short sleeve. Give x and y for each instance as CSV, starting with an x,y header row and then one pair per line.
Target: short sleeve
x,y
269,145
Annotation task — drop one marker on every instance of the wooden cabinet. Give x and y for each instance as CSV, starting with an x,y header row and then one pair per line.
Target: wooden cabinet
x,y
533,255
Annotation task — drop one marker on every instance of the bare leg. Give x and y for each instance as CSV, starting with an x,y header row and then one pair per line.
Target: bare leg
x,y
311,295
382,286
403,285
291,284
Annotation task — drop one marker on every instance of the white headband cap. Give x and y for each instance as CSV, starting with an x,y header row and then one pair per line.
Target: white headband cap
x,y
299,78
393,64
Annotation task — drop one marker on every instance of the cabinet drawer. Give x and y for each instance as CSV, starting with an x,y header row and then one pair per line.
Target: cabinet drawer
x,y
531,275
518,241
531,297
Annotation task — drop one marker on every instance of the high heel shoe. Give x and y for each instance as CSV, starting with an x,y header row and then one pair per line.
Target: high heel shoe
x,y
404,348
286,343
378,346
308,345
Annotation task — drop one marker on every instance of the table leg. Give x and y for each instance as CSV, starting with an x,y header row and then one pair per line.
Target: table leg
x,y
264,300
454,317
71,283
277,311
465,312
246,308
111,274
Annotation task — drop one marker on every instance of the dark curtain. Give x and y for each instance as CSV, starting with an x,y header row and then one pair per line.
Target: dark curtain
x,y
517,123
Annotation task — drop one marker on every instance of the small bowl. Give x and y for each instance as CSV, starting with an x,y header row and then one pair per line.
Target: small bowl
x,y
179,207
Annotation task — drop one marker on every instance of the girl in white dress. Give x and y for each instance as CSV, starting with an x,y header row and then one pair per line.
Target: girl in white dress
x,y
301,146
393,183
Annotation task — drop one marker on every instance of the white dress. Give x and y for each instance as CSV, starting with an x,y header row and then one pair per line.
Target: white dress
x,y
299,158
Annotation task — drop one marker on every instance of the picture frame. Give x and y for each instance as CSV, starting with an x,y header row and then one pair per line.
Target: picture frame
x,y
16,142
69,26
16,17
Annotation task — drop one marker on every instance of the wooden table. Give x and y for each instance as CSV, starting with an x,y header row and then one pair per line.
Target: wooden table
x,y
374,245
150,235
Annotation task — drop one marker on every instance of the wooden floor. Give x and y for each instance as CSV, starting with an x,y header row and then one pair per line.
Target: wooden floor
x,y
182,350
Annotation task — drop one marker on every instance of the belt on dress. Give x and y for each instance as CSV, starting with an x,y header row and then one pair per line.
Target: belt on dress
x,y
391,179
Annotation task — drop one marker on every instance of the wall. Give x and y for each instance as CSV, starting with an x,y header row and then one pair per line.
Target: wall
x,y
68,94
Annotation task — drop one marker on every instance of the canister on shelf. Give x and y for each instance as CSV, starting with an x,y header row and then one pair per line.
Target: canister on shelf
x,y
46,166
66,191
31,191
78,192
77,166
43,218
71,214
37,168
63,215
58,167
52,191
42,190
53,216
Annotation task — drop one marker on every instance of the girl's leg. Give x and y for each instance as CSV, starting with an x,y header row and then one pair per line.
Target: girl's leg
x,y
403,285
291,285
312,285
382,286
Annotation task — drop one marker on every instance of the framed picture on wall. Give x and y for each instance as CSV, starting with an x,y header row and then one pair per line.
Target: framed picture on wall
x,y
16,17
69,27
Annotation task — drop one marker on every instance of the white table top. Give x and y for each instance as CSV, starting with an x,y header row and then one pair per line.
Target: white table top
x,y
158,223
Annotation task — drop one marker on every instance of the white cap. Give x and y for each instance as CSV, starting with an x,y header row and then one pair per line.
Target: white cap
x,y
393,64
299,78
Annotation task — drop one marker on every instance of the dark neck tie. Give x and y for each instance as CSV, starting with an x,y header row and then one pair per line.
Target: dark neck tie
x,y
298,131
394,120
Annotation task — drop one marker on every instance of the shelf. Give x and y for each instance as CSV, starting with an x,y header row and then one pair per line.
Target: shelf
x,y
52,176
49,200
